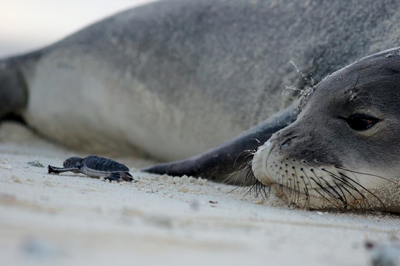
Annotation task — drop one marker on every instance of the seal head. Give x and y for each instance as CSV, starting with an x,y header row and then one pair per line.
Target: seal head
x,y
342,151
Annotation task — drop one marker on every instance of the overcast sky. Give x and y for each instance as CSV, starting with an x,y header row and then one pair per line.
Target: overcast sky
x,y
26,25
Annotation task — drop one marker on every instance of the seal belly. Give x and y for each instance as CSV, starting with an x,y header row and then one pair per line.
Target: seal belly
x,y
95,108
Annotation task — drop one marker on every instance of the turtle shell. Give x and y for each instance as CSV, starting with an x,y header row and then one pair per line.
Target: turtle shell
x,y
104,164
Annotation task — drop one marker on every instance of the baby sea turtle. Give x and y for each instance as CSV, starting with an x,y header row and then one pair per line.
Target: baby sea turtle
x,y
94,166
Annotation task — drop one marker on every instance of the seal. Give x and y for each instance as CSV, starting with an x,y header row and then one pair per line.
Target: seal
x,y
338,153
174,79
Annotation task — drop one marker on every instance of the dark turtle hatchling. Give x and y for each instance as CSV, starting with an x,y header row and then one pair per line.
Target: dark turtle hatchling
x,y
94,166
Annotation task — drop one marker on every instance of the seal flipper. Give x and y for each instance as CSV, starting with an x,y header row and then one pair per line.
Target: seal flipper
x,y
13,86
220,162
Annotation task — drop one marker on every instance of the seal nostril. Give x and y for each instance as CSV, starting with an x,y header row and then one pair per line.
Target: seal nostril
x,y
286,143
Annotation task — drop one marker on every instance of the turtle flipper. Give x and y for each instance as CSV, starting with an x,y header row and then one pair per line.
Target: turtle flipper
x,y
119,176
127,177
56,170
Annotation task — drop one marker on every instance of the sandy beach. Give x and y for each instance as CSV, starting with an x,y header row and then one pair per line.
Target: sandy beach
x,y
71,219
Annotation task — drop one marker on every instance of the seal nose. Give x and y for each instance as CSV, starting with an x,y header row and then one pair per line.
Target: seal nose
x,y
286,143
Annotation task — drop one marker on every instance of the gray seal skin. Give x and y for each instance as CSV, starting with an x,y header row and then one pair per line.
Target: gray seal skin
x,y
342,150
94,166
229,161
175,78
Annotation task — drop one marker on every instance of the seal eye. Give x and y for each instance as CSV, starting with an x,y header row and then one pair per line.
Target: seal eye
x,y
67,163
361,122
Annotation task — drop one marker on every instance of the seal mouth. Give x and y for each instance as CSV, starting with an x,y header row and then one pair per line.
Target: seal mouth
x,y
259,165
332,198
324,198
316,185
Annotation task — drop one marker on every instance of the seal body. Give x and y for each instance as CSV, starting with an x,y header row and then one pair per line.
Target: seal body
x,y
175,78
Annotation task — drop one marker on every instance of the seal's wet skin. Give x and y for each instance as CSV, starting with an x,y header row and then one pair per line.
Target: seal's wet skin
x,y
94,166
175,79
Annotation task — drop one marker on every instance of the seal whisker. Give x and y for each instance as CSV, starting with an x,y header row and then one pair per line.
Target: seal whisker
x,y
234,189
358,191
345,203
362,173
257,186
347,184
343,185
298,196
288,180
249,153
337,202
346,179
368,191
287,185
322,195
338,197
309,181
243,167
315,181
294,175
305,189
228,178
322,188
350,186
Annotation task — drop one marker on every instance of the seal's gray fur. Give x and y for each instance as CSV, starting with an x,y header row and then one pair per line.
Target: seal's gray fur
x,y
175,78
342,150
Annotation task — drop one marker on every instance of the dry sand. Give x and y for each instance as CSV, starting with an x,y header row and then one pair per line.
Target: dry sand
x,y
161,220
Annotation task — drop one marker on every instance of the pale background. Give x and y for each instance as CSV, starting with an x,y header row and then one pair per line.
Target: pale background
x,y
27,25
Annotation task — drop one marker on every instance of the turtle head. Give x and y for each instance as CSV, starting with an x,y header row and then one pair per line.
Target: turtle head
x,y
73,162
